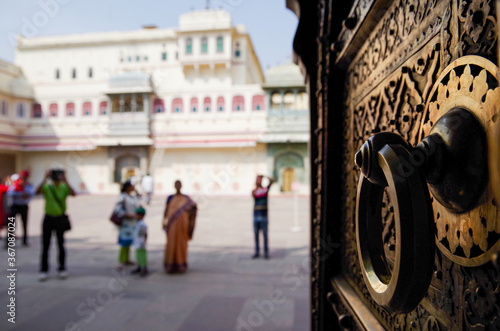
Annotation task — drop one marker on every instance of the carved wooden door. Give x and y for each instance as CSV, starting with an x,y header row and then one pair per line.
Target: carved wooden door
x,y
423,73
288,179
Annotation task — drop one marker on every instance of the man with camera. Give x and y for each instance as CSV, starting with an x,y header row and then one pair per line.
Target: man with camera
x,y
260,220
55,218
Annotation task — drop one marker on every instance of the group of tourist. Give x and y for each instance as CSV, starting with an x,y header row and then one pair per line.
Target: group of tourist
x,y
178,220
178,223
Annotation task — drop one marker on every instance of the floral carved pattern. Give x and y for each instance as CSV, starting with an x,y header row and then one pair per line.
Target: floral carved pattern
x,y
470,82
358,13
400,81
477,28
399,33
480,300
396,105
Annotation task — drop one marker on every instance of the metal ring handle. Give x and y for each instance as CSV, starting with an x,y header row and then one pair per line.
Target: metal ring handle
x,y
403,289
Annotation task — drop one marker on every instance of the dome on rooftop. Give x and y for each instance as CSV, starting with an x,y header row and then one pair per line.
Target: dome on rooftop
x,y
20,87
284,75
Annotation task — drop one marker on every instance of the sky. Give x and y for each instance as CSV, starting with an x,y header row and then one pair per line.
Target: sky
x,y
270,24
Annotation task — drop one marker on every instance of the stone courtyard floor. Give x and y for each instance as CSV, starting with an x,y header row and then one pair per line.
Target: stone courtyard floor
x,y
224,289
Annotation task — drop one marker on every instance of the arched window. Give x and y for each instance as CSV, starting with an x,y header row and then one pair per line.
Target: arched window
x,y
289,100
37,111
258,102
139,103
189,46
207,104
115,104
87,108
5,108
177,105
302,101
126,166
158,106
58,74
288,167
70,109
73,73
237,51
220,44
238,103
204,45
194,105
20,109
276,100
127,103
220,104
103,108
53,110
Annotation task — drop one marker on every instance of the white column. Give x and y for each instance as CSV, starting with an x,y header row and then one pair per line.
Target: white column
x,y
145,100
295,100
122,102
133,104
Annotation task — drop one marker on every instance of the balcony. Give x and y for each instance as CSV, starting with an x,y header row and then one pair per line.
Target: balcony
x,y
129,119
129,124
130,82
212,61
286,125
288,115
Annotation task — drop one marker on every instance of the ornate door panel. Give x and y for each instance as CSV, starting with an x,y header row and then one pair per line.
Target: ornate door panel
x,y
417,69
416,65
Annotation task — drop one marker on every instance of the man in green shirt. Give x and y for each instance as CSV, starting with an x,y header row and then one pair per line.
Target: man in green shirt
x,y
55,194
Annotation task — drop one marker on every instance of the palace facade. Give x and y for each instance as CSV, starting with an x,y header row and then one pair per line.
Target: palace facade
x,y
189,103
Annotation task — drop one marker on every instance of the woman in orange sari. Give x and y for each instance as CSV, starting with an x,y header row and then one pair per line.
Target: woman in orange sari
x,y
178,222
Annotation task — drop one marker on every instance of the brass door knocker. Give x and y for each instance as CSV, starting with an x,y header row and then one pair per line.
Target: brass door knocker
x,y
380,159
465,212
451,161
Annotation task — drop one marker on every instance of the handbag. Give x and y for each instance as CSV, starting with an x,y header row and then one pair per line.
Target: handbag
x,y
65,223
116,217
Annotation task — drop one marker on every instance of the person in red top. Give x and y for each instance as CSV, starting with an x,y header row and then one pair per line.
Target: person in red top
x,y
4,207
260,220
20,193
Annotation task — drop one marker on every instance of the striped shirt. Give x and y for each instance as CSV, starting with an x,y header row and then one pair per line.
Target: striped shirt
x,y
261,199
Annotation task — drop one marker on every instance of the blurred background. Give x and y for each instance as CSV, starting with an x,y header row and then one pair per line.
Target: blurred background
x,y
201,91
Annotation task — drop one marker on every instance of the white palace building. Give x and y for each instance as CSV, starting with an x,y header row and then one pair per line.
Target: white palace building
x,y
188,103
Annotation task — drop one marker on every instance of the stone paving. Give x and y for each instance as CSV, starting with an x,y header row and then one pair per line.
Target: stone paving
x,y
224,289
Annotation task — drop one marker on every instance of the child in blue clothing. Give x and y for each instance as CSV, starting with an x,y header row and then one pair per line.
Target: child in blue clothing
x,y
140,237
